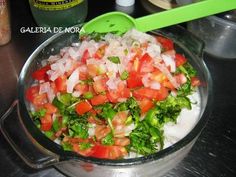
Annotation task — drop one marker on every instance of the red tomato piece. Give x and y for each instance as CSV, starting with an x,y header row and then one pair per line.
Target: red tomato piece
x,y
146,64
166,43
100,52
85,56
92,70
149,93
60,83
40,99
179,60
125,93
83,107
145,104
113,96
99,99
100,86
120,118
134,80
108,152
31,92
180,78
46,122
82,88
195,81
101,131
41,74
50,108
122,141
86,152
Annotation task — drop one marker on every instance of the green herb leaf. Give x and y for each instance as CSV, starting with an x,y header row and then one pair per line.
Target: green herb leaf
x,y
114,59
49,134
38,114
66,146
108,140
124,75
88,95
84,146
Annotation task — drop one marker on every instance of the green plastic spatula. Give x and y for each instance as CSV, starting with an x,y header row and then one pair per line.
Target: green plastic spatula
x,y
121,22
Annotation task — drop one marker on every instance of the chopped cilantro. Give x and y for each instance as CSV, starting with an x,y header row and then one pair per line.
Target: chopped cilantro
x,y
114,59
108,140
124,75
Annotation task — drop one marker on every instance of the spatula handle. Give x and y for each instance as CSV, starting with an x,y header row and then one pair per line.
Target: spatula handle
x,y
183,14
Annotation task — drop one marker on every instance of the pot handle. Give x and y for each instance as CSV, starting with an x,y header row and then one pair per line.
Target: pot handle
x,y
32,153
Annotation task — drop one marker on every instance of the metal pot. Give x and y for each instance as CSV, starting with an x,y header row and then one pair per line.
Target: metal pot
x,y
38,151
218,33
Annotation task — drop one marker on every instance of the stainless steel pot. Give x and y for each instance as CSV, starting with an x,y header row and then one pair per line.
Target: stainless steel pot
x,y
38,151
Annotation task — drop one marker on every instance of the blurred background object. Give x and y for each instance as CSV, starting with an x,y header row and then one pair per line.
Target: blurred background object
x,y
5,27
218,32
53,13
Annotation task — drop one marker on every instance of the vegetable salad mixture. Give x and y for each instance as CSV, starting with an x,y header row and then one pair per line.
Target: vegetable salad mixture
x,y
109,96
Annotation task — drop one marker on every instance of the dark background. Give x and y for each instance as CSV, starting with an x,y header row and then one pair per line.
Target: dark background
x,y
213,155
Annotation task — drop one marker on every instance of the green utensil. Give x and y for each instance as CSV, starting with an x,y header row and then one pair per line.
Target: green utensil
x,y
121,22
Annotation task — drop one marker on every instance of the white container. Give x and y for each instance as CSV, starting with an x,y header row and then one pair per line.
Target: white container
x,y
125,2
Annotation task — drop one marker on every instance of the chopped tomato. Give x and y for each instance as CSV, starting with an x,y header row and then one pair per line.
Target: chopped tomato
x,y
41,74
32,95
146,64
158,76
101,131
100,52
83,75
100,86
99,99
92,70
31,92
85,152
82,88
122,141
85,56
46,122
113,96
60,83
145,104
120,118
166,43
83,107
134,80
179,60
108,152
149,93
180,78
50,108
40,99
195,81
125,93
168,85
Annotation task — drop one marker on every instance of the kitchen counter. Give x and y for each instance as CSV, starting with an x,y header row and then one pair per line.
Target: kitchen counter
x,y
214,153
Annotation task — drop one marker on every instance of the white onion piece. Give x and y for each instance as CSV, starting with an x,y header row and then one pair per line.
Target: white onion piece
x,y
112,83
46,88
76,93
72,81
73,54
169,61
154,50
155,85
